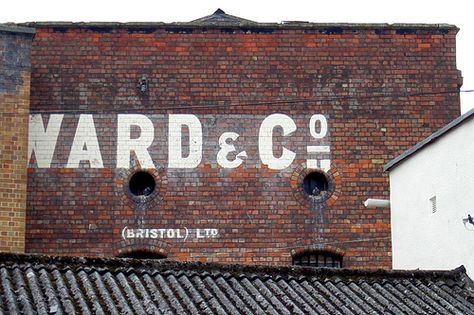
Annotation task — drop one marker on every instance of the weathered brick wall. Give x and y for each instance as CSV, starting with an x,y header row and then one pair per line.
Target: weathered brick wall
x,y
15,44
380,89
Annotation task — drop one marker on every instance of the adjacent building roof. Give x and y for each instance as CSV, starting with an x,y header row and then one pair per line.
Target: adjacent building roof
x,y
13,28
31,284
429,140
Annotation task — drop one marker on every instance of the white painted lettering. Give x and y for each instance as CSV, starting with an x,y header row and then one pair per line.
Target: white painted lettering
x,y
85,146
139,233
198,234
318,149
265,141
175,153
170,233
323,164
173,233
138,145
130,233
226,148
323,126
41,141
135,135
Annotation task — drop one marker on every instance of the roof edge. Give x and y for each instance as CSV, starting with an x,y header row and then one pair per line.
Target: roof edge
x,y
123,264
283,25
17,28
429,140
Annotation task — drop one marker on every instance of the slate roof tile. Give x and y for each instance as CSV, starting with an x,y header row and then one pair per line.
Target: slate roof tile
x,y
36,284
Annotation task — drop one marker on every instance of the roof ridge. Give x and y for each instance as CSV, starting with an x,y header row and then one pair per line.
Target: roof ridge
x,y
219,17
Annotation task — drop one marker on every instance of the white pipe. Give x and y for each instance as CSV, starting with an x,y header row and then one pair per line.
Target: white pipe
x,y
377,203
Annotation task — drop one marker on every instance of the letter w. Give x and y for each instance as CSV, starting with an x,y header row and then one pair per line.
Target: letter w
x,y
43,141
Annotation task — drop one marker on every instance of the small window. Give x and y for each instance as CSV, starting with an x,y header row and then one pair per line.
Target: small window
x,y
315,184
318,259
142,184
143,254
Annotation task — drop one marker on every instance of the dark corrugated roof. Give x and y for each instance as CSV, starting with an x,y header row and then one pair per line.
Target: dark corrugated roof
x,y
429,140
58,285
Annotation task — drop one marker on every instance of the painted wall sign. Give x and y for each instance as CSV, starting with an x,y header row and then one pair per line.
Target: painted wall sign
x,y
178,141
169,233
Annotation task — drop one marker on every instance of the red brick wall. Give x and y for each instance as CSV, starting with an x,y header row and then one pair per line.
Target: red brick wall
x,y
15,44
381,89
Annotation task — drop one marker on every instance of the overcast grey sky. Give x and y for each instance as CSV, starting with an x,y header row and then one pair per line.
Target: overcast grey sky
x,y
337,11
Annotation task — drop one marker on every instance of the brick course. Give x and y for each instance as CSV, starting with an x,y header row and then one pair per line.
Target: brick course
x,y
381,88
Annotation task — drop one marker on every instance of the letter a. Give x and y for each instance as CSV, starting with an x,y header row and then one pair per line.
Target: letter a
x,y
85,137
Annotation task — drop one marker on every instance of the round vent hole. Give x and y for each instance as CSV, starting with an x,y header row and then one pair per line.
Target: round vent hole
x,y
142,184
315,183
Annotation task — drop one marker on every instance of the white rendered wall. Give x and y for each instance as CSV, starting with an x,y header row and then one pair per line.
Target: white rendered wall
x,y
445,169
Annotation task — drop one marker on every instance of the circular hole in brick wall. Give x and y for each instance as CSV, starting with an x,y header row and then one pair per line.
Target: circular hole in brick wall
x,y
142,184
315,187
315,184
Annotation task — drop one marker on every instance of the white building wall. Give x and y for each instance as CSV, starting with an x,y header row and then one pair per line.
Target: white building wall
x,y
445,169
